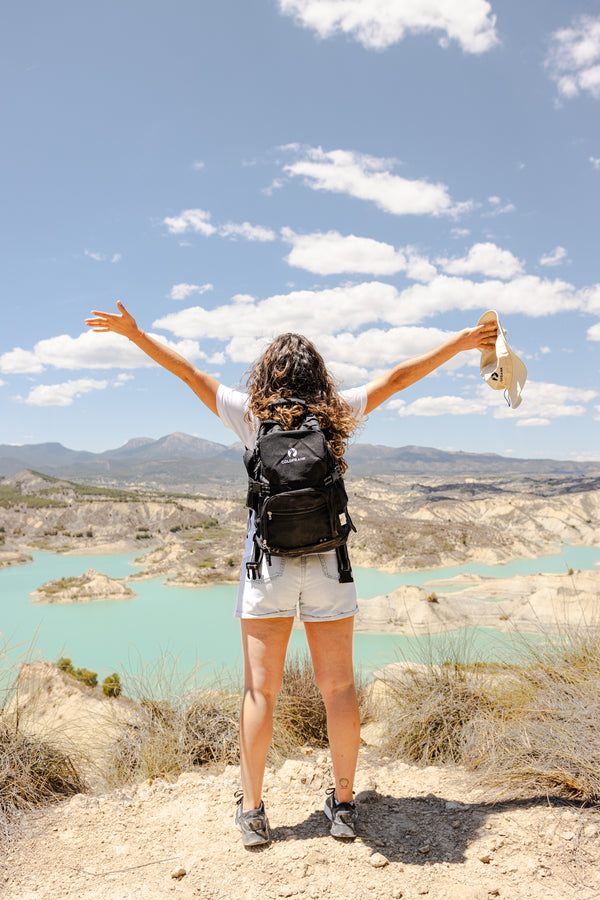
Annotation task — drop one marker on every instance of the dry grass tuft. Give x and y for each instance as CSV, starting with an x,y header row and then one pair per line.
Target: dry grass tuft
x,y
429,709
300,715
528,729
544,738
168,738
32,773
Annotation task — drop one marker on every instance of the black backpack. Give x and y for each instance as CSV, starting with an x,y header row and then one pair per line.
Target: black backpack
x,y
296,490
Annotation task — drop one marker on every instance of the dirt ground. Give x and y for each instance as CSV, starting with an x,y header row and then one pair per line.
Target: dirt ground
x,y
423,832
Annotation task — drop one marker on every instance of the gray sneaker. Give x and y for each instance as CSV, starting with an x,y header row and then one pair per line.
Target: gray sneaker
x,y
253,824
343,817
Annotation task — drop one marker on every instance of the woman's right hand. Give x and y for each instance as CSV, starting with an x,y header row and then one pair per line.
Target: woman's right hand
x,y
121,323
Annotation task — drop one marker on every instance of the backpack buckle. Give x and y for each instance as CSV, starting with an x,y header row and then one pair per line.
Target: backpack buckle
x,y
252,570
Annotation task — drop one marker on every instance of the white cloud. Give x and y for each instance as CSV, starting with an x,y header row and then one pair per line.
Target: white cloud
x,y
555,258
330,253
123,378
378,24
595,161
102,257
526,294
597,415
593,333
247,231
370,178
182,290
62,394
574,58
197,165
439,406
380,347
528,423
542,402
485,259
311,312
19,361
586,455
591,298
497,208
190,220
198,220
319,313
89,351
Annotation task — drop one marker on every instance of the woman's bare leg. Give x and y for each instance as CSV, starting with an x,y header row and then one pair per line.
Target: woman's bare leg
x,y
264,643
330,646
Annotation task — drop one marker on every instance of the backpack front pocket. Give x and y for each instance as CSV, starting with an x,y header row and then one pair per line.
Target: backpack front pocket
x,y
298,524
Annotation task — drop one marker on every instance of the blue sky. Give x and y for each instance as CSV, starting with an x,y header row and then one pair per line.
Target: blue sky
x,y
374,174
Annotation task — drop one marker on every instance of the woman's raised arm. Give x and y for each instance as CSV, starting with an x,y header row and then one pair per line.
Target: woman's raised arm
x,y
205,386
411,370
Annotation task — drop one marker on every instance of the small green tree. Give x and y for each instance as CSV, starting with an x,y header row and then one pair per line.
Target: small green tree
x,y
87,677
65,665
111,686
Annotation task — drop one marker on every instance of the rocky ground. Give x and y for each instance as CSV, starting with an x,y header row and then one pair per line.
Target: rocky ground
x,y
423,833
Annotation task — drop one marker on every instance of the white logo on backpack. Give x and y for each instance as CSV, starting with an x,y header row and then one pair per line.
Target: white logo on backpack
x,y
293,457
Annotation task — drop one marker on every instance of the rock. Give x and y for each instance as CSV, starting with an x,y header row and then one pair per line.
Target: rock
x,y
378,860
178,873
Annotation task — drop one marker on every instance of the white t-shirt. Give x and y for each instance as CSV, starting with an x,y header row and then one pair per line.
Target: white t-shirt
x,y
231,408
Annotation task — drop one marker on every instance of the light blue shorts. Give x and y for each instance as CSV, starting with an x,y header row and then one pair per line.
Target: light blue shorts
x,y
307,586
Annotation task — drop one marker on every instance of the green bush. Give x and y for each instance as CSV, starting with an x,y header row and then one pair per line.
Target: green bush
x,y
65,665
87,677
111,686
83,675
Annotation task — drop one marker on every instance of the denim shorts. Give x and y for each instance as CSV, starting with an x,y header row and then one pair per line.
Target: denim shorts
x,y
307,586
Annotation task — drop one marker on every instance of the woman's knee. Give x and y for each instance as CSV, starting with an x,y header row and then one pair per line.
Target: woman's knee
x,y
334,687
264,693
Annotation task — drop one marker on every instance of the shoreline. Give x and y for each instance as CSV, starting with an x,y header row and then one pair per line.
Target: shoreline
x,y
542,603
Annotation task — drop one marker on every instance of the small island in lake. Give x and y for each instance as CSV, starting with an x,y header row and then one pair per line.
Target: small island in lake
x,y
84,588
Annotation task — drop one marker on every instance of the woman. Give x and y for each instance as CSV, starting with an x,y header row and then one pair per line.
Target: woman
x,y
291,367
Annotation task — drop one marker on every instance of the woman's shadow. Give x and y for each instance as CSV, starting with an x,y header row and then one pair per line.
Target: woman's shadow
x,y
414,830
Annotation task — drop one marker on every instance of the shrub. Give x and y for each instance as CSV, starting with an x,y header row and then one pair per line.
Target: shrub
x,y
167,739
111,686
87,677
300,711
543,738
65,665
300,716
83,675
32,772
525,729
429,708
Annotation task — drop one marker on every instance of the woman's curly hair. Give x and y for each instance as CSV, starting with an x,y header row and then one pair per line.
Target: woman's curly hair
x,y
291,366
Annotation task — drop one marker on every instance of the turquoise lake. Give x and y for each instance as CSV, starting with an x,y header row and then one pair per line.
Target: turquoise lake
x,y
195,627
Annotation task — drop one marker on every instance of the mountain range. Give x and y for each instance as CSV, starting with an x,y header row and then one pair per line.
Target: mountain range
x,y
182,458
